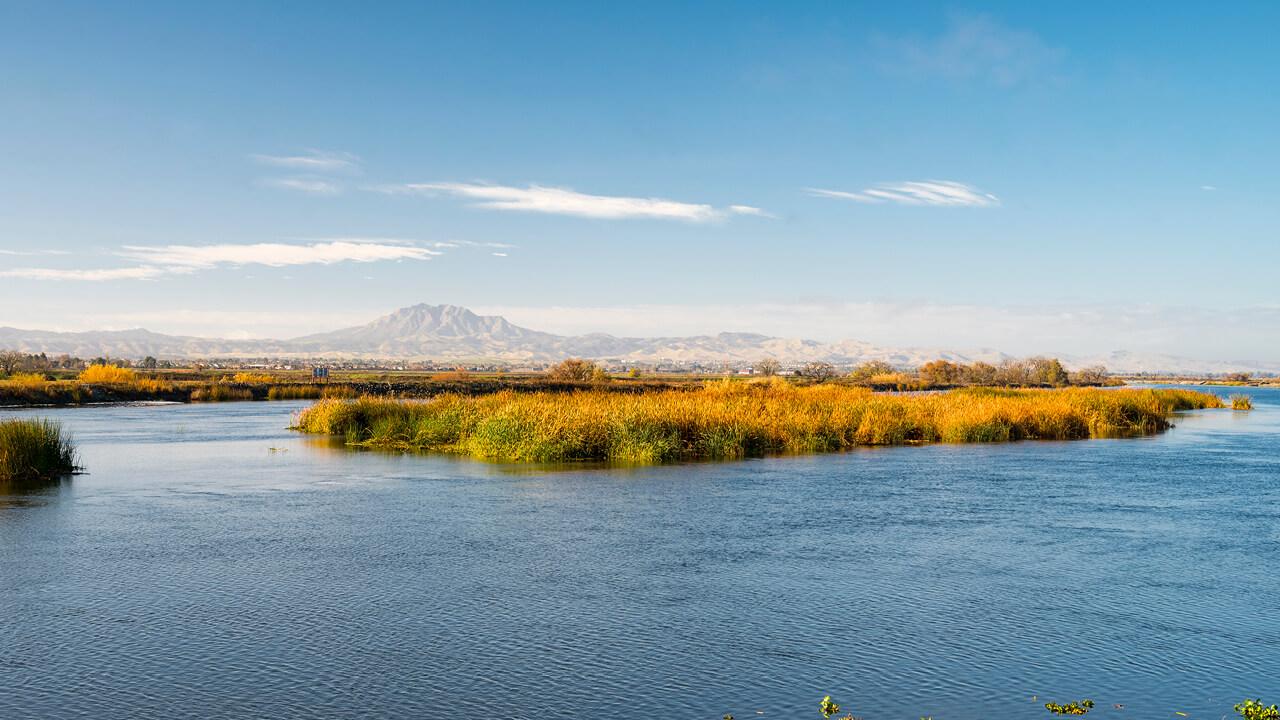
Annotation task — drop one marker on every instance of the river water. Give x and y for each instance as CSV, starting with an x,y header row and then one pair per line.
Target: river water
x,y
212,564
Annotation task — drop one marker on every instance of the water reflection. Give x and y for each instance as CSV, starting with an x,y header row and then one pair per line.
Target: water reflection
x,y
24,493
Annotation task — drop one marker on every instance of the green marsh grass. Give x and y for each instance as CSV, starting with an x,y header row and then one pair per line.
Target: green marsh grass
x,y
1253,709
33,450
732,419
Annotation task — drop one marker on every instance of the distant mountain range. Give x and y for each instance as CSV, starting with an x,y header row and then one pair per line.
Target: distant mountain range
x,y
451,333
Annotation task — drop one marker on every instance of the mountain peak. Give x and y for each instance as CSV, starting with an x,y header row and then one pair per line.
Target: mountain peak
x,y
429,315
433,309
425,322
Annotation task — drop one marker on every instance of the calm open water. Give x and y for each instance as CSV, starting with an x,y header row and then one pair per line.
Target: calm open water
x,y
196,573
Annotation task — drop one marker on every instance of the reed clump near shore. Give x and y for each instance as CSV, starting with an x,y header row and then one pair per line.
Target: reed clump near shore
x,y
733,419
34,450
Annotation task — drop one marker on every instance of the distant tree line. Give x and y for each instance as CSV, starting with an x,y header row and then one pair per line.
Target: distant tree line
x,y
1035,371
1031,372
16,361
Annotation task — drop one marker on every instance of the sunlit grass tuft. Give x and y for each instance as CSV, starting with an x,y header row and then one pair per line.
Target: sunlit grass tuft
x,y
34,450
251,378
1241,402
730,420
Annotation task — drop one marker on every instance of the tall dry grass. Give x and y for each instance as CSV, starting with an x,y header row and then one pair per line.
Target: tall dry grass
x,y
294,391
255,378
121,378
25,380
309,391
728,419
126,378
107,374
221,392
33,450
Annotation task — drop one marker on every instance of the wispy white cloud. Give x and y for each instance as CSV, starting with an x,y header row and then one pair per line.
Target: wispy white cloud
x,y
157,261
276,254
1208,187
316,161
749,210
145,272
973,47
918,192
312,166
309,185
471,243
499,254
563,201
28,253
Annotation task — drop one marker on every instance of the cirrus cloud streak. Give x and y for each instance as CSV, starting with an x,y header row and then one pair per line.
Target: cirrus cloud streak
x,y
944,193
90,275
276,254
564,201
309,185
162,260
312,161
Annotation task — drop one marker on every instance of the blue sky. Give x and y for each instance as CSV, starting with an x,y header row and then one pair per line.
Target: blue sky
x,y
1038,178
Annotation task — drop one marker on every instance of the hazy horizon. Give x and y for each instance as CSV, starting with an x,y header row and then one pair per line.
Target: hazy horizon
x,y
672,322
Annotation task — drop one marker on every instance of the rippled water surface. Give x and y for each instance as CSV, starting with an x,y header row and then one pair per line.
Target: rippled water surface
x,y
213,565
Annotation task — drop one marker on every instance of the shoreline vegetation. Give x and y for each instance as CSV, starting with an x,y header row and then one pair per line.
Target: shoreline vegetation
x,y
33,380
42,392
726,419
28,379
33,451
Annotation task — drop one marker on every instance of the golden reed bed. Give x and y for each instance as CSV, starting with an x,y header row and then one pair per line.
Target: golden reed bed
x,y
735,419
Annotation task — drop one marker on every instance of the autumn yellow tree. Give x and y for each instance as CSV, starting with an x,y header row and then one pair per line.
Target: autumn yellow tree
x,y
577,370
